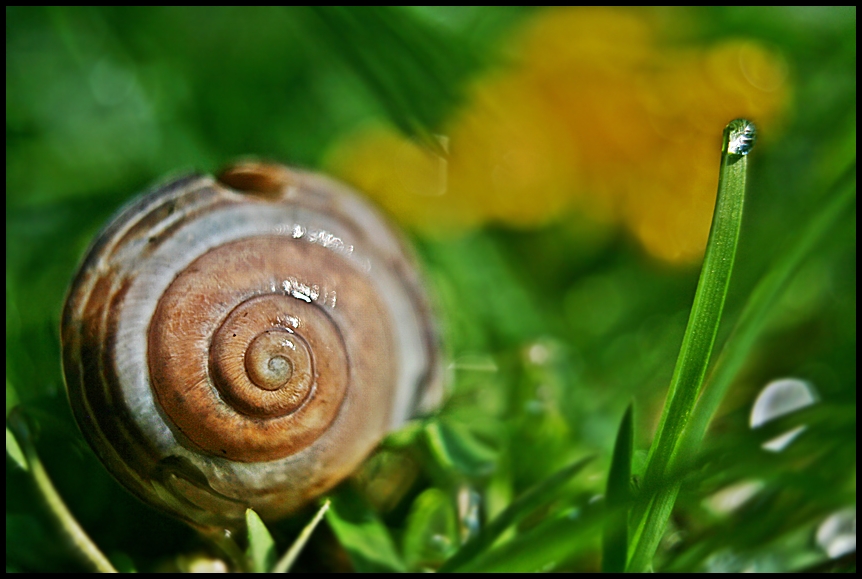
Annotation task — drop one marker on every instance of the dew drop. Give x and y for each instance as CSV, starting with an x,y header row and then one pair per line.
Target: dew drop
x,y
538,354
732,497
781,397
782,441
468,512
778,398
742,136
837,534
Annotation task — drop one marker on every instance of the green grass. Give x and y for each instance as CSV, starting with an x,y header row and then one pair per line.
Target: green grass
x,y
659,492
578,435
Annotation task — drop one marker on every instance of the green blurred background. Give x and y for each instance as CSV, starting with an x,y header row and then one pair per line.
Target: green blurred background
x,y
552,326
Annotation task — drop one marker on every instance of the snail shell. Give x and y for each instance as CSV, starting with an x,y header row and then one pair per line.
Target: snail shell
x,y
245,342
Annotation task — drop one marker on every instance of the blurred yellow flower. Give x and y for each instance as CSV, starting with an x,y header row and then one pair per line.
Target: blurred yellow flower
x,y
595,113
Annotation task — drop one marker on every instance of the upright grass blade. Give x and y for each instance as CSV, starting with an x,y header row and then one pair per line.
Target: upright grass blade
x,y
615,537
754,315
86,549
658,496
286,562
528,502
261,546
362,534
13,449
543,548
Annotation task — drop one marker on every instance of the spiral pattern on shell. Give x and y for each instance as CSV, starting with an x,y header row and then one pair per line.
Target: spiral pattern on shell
x,y
245,341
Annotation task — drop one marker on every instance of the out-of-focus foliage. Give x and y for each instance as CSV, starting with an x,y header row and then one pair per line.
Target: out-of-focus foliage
x,y
543,159
612,111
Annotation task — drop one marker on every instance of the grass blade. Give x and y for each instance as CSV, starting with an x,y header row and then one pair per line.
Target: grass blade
x,y
615,539
362,534
455,447
759,305
286,562
431,535
13,449
528,502
261,546
84,546
544,548
656,504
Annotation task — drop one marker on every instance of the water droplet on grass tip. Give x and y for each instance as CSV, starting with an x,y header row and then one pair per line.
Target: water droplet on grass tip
x,y
743,134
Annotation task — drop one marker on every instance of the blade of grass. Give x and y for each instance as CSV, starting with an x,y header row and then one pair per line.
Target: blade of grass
x,y
431,534
746,331
543,548
615,537
650,529
457,450
286,562
656,502
528,502
86,549
261,546
13,449
363,535
759,305
225,542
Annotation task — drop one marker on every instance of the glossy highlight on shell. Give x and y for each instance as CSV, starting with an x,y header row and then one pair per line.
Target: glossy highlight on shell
x,y
245,341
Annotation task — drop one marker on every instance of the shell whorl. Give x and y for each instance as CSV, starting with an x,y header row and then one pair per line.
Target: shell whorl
x,y
245,341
